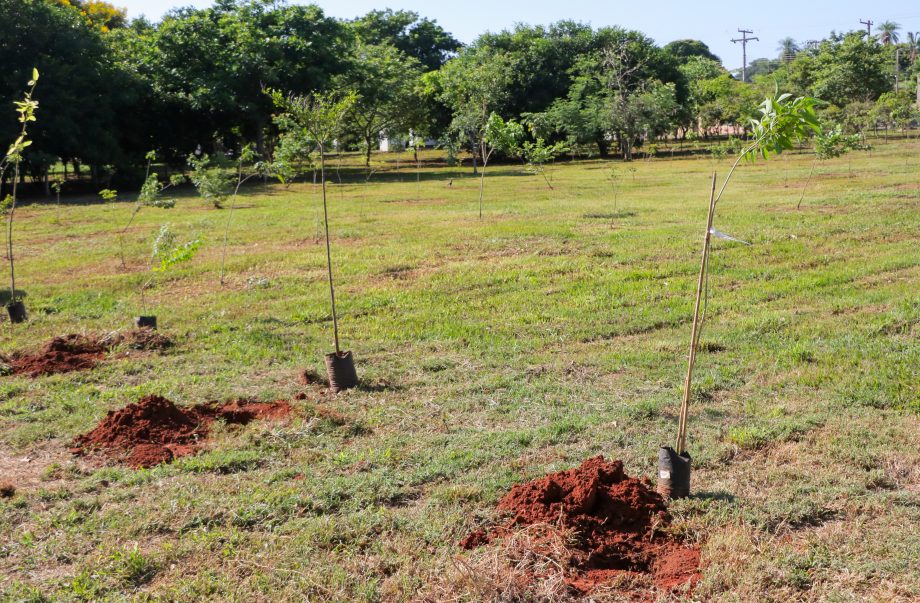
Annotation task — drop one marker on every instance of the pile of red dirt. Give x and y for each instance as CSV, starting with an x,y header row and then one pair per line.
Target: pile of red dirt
x,y
60,355
154,430
617,521
81,352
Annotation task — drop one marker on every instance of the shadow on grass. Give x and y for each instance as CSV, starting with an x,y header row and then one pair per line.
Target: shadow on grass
x,y
609,215
714,495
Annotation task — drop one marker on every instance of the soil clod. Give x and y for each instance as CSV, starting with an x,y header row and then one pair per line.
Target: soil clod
x,y
617,525
154,430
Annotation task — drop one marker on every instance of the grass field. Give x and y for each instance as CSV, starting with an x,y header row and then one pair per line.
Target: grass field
x,y
491,351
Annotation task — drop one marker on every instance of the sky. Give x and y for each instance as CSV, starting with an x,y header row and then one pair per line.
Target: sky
x,y
713,22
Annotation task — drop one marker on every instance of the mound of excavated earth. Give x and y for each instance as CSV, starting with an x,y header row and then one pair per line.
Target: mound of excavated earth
x,y
154,430
81,352
618,523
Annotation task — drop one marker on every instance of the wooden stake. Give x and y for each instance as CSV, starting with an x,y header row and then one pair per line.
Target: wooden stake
x,y
697,325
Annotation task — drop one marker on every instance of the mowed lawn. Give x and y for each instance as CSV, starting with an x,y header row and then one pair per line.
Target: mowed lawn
x,y
491,351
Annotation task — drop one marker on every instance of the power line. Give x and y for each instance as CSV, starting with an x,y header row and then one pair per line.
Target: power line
x,y
744,39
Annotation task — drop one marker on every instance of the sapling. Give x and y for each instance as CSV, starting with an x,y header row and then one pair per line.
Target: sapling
x,y
210,177
537,154
149,196
418,144
497,135
614,176
321,116
829,144
26,108
108,195
292,157
783,121
56,187
167,252
247,157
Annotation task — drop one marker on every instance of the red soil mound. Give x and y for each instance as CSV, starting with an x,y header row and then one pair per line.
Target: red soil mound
x,y
60,355
617,521
154,430
81,352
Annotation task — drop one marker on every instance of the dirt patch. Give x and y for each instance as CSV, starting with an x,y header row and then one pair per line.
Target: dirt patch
x,y
154,430
617,525
75,352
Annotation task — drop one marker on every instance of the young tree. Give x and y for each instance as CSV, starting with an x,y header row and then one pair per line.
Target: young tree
x,y
247,167
211,177
538,153
167,252
149,196
498,135
829,144
783,121
320,116
26,108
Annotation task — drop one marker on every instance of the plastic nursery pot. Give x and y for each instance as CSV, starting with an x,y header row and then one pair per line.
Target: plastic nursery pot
x,y
145,322
340,367
17,312
673,473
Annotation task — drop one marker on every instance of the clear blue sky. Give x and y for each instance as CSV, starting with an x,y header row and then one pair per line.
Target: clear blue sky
x,y
714,22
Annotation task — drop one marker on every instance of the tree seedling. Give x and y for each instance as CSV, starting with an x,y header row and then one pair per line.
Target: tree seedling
x,y
167,253
247,158
783,121
320,116
210,177
56,187
497,135
614,176
26,108
829,144
148,197
537,154
108,195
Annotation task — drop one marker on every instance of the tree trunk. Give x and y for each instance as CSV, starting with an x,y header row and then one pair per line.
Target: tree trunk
x,y
367,152
335,320
603,148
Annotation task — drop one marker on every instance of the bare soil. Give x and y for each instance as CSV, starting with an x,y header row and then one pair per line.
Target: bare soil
x,y
154,430
76,352
619,526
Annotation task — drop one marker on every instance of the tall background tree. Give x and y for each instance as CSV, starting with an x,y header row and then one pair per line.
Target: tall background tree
x,y
387,85
421,39
888,33
80,95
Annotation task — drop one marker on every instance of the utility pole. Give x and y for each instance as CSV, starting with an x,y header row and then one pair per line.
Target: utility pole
x,y
744,39
897,70
868,23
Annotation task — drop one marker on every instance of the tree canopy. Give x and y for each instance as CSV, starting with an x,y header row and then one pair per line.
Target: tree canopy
x,y
114,88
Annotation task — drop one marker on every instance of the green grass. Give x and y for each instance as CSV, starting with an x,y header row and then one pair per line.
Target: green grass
x,y
492,351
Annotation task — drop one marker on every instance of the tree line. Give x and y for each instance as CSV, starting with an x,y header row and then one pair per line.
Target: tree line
x,y
113,89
